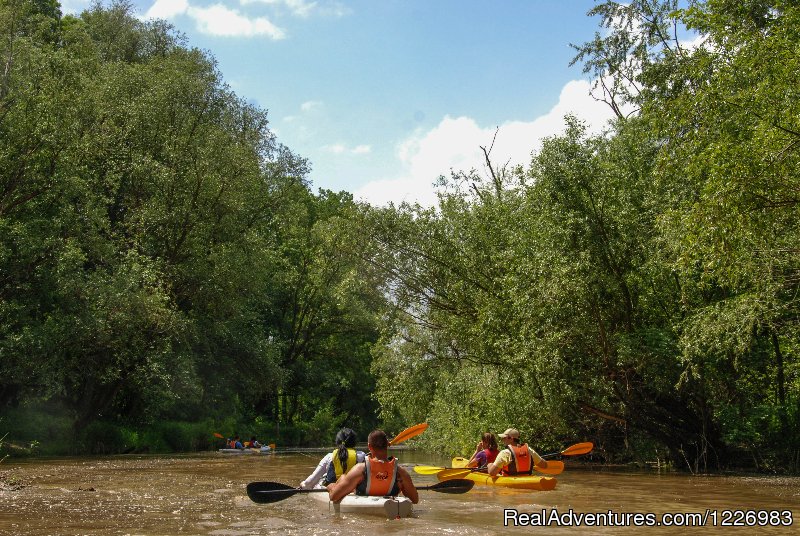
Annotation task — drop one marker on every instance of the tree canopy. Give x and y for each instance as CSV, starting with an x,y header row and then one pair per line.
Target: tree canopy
x,y
163,257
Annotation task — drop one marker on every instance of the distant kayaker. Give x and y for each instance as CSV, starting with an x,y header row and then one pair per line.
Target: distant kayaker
x,y
485,452
253,443
379,475
515,459
236,443
336,463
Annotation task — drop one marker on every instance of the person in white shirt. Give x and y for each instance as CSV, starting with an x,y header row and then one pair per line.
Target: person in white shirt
x,y
336,463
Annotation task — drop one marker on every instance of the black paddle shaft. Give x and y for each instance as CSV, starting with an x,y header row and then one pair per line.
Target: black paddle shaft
x,y
270,492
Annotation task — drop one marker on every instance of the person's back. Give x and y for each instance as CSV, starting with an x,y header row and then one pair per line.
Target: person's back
x,y
343,457
336,463
516,458
378,475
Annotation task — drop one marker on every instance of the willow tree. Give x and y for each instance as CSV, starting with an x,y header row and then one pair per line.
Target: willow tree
x,y
724,113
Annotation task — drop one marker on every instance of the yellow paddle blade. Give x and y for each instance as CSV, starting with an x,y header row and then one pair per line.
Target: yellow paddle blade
x,y
577,449
453,473
458,461
428,469
408,433
272,446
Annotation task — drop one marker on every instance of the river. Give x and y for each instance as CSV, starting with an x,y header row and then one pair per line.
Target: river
x,y
204,494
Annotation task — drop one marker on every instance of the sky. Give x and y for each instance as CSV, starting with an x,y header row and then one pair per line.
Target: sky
x,y
384,96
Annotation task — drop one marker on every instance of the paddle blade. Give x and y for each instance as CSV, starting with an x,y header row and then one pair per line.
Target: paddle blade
x,y
216,434
428,469
269,492
451,486
458,461
408,433
577,449
554,467
455,473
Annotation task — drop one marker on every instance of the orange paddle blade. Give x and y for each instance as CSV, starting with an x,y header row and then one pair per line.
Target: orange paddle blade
x,y
219,435
554,467
577,449
408,433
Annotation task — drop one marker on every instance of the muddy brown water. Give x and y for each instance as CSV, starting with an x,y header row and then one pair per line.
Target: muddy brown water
x,y
205,494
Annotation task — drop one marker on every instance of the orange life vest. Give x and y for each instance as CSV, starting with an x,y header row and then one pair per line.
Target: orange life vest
x,y
521,462
380,478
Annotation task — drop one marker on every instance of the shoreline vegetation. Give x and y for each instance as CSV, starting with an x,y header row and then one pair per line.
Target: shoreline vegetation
x,y
167,271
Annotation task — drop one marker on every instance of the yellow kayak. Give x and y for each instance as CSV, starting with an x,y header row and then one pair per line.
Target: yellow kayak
x,y
532,482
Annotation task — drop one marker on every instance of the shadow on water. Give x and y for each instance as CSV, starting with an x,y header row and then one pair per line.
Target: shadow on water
x,y
205,494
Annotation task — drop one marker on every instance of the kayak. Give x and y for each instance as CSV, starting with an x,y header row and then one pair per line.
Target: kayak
x,y
531,482
392,507
263,450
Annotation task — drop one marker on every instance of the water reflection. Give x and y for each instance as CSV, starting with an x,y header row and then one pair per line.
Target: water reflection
x,y
204,494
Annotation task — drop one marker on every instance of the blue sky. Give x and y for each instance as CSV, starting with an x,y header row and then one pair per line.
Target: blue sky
x,y
383,96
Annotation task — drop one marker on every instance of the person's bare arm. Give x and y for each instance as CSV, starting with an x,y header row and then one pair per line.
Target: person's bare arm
x,y
492,469
538,461
407,486
501,461
347,483
473,462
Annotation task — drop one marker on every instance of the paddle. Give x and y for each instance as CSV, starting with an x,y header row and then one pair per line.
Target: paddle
x,y
408,433
219,435
577,449
554,467
270,492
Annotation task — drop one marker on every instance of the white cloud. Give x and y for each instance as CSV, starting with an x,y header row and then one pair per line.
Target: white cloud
x,y
167,9
341,148
217,19
220,21
301,8
310,105
336,148
455,144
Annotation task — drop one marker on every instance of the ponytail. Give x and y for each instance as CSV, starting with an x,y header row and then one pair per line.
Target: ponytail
x,y
345,439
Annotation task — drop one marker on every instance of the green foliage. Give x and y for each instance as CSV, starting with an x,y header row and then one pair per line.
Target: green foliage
x,y
161,255
638,288
166,272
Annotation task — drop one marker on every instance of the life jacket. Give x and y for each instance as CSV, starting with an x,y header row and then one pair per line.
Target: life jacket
x,y
521,463
232,444
335,469
380,478
491,455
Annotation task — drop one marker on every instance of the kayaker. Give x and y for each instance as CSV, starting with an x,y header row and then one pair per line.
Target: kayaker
x,y
515,459
253,443
379,475
336,463
485,452
236,443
